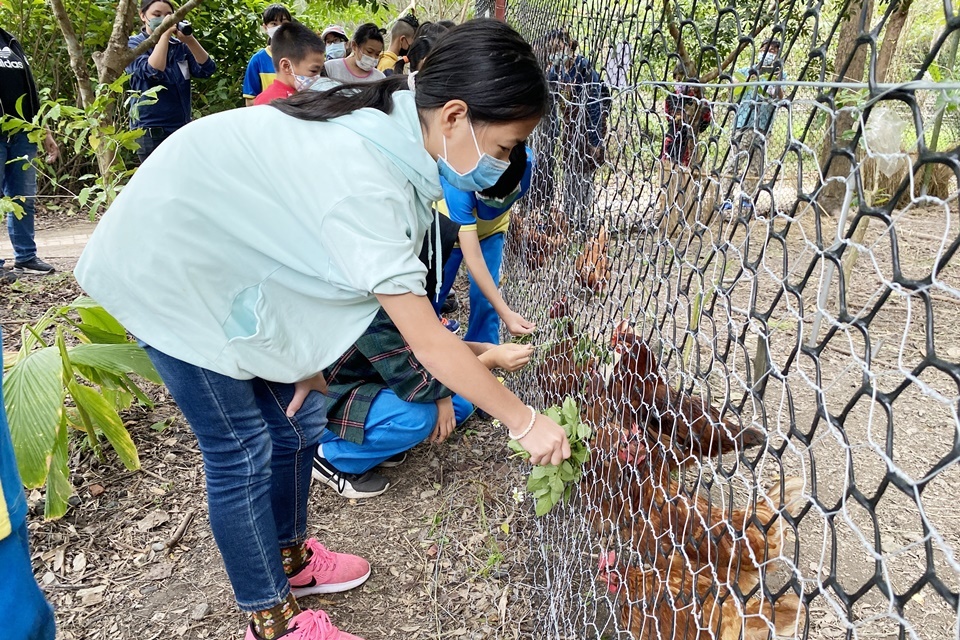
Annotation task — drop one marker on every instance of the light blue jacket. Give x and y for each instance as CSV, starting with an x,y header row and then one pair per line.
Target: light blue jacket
x,y
252,243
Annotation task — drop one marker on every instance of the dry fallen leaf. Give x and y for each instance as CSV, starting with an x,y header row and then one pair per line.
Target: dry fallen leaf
x,y
153,520
91,596
79,562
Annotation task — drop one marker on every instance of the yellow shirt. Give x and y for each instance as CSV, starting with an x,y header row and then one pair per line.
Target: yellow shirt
x,y
484,228
4,516
388,59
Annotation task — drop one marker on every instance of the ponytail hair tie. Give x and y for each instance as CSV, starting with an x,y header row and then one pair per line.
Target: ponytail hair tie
x,y
411,82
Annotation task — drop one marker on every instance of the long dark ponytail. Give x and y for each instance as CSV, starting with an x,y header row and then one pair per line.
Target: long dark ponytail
x,y
483,62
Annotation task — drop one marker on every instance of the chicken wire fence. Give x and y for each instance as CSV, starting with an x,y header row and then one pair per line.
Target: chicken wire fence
x,y
742,266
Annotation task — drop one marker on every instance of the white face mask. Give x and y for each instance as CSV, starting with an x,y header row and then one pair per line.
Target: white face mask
x,y
305,82
367,63
272,30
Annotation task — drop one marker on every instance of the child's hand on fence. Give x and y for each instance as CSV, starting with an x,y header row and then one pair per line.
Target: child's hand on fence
x,y
516,324
547,442
446,420
511,356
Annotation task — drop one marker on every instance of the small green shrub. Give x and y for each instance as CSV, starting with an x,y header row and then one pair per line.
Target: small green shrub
x,y
73,370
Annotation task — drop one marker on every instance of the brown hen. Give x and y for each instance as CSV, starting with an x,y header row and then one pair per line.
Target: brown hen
x,y
593,265
690,425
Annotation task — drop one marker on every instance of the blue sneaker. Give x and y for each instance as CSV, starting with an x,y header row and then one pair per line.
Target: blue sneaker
x,y
452,325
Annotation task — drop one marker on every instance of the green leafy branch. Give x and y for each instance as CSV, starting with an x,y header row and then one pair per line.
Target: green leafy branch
x,y
549,483
79,377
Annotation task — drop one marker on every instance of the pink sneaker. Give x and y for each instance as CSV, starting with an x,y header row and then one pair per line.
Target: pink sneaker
x,y
309,625
328,572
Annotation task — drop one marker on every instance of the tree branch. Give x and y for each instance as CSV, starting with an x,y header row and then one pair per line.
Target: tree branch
x,y
733,55
678,40
75,51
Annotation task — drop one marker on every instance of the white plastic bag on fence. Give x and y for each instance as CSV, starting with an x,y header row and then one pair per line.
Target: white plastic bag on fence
x,y
881,138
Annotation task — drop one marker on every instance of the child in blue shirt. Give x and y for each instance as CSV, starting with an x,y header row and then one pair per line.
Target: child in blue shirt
x,y
260,70
484,218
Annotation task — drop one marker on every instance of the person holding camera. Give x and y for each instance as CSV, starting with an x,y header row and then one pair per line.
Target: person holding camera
x,y
176,58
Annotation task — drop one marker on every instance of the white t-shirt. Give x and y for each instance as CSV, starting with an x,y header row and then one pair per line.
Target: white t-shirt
x,y
339,71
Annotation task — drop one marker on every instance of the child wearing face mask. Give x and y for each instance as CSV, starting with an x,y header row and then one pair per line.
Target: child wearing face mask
x,y
361,65
260,70
483,216
401,37
335,37
298,55
170,64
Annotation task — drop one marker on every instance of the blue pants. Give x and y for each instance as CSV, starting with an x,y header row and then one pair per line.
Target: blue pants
x,y
26,615
257,463
392,426
484,324
19,180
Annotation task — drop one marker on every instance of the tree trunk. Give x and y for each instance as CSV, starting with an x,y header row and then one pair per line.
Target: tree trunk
x,y
78,61
891,39
851,57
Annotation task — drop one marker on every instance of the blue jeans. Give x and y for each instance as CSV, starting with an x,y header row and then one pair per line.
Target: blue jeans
x,y
257,463
392,426
484,323
149,142
26,615
19,180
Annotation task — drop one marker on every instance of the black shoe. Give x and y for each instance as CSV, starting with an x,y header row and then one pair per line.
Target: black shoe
x,y
34,265
348,485
8,277
450,304
394,461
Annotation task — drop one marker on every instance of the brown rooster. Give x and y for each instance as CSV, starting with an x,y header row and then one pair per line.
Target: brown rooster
x,y
629,487
593,265
671,600
690,425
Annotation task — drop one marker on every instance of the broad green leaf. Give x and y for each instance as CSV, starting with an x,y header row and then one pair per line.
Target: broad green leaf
x,y
99,335
538,471
584,432
105,418
84,302
554,414
543,506
570,411
33,396
116,358
59,488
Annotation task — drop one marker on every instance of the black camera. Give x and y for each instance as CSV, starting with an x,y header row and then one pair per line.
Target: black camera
x,y
185,28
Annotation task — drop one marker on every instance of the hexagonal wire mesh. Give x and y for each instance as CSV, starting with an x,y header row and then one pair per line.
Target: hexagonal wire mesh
x,y
765,231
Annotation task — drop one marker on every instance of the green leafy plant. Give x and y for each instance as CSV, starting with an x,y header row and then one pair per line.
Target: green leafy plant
x,y
83,133
549,483
73,370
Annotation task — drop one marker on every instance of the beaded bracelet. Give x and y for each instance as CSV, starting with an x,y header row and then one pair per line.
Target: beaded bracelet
x,y
533,419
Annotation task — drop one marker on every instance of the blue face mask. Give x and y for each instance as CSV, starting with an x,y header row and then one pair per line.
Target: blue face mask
x,y
483,176
336,50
